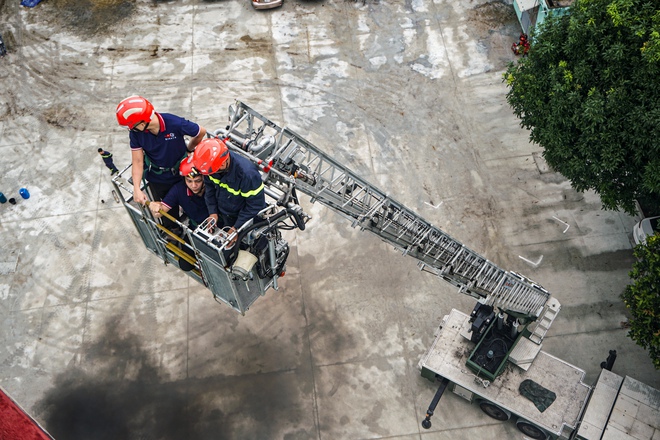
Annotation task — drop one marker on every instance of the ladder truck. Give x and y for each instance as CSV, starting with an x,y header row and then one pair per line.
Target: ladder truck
x,y
492,356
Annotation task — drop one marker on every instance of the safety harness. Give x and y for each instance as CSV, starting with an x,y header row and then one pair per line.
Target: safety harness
x,y
158,170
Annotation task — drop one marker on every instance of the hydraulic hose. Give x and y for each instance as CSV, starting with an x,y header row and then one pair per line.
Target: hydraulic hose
x,y
298,218
233,253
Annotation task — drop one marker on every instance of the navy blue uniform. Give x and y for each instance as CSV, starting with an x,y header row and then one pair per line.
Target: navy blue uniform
x,y
193,205
237,194
164,152
107,159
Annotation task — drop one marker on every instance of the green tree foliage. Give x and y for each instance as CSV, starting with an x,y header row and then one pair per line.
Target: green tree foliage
x,y
589,91
643,298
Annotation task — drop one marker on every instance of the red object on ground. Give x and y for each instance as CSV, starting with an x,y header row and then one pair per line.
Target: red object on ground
x,y
16,424
521,47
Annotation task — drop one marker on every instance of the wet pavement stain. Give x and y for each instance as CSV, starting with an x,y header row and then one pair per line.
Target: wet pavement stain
x,y
116,392
90,17
88,402
494,14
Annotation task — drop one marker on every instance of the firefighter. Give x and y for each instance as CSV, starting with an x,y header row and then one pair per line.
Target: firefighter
x,y
157,145
188,195
234,190
107,159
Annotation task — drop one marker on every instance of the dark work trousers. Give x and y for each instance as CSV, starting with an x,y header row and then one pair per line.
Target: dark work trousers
x,y
158,192
226,220
111,165
183,264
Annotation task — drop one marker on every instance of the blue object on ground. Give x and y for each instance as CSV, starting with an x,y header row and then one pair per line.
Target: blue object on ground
x,y
24,193
30,3
3,199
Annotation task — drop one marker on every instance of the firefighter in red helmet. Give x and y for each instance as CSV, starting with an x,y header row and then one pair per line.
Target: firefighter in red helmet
x,y
157,143
234,190
189,196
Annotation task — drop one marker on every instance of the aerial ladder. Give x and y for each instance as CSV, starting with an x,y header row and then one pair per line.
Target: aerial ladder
x,y
502,336
290,164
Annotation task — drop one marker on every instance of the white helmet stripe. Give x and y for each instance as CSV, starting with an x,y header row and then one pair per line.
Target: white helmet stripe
x,y
131,111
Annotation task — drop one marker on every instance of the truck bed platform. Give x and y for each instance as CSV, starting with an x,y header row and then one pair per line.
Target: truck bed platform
x,y
447,358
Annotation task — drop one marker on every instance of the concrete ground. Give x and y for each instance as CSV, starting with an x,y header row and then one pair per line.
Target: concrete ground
x,y
100,340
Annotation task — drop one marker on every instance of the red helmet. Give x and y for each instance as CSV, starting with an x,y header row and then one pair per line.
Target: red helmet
x,y
187,168
209,155
133,110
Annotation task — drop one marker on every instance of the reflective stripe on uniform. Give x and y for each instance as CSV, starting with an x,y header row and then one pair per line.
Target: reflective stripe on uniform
x,y
235,191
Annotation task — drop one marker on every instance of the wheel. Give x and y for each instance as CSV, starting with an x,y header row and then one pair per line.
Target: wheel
x,y
494,411
530,430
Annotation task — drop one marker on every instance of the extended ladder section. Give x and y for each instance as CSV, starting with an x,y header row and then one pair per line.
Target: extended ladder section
x,y
290,163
